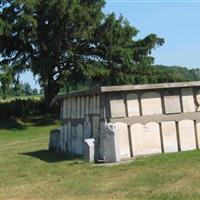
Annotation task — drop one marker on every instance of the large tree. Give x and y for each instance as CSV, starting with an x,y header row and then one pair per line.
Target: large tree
x,y
71,41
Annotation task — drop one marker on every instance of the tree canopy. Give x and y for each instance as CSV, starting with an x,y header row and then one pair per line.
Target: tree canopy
x,y
72,41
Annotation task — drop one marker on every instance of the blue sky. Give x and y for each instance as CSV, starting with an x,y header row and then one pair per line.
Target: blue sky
x,y
178,22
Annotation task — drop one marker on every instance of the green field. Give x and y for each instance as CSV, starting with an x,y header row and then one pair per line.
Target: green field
x,y
29,171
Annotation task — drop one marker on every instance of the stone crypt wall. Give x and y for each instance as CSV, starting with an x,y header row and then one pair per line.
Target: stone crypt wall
x,y
147,119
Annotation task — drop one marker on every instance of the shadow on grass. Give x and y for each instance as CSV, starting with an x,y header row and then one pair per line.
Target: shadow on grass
x,y
50,156
12,124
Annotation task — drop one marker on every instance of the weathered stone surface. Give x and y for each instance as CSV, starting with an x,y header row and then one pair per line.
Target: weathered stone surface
x,y
74,140
145,139
95,127
133,105
117,106
89,150
172,102
78,108
187,135
94,106
123,139
102,132
65,137
98,105
68,107
62,145
82,107
198,100
111,144
188,100
69,136
79,142
54,140
198,134
87,128
91,105
64,109
87,105
169,137
73,107
151,103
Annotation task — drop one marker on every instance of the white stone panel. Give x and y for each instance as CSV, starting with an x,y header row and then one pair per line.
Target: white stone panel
x,y
133,105
123,138
79,143
82,107
117,107
145,139
188,100
69,108
198,100
169,137
73,107
151,103
98,105
87,128
64,109
187,135
198,134
78,107
87,105
172,102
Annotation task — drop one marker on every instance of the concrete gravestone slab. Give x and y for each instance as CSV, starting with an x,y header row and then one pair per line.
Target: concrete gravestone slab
x,y
73,107
65,138
69,136
111,144
145,139
133,105
89,150
79,143
102,131
68,108
98,105
123,139
82,107
94,106
117,106
74,139
64,109
172,102
198,100
87,105
188,100
169,136
78,107
87,128
187,135
151,103
91,105
198,134
62,138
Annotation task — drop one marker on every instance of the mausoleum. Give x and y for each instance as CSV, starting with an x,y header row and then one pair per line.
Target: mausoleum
x,y
130,120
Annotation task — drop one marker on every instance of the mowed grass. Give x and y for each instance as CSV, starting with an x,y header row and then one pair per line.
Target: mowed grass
x,y
29,171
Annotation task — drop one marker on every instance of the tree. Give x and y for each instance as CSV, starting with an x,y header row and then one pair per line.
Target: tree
x,y
71,42
27,89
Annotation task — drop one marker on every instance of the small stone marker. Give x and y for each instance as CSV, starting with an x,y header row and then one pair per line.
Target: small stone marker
x,y
133,105
89,150
153,99
198,100
111,144
54,141
188,100
198,134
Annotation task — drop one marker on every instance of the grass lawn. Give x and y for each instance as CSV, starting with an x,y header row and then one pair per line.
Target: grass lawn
x,y
28,171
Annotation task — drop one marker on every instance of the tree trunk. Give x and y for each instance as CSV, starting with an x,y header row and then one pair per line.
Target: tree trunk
x,y
50,90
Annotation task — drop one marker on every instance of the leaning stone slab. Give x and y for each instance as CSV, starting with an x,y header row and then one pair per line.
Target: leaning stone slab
x,y
111,144
54,141
89,150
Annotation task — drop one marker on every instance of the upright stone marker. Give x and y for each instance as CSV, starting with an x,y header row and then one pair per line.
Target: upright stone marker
x,y
151,103
187,135
78,108
188,100
111,144
172,102
146,139
169,135
123,139
82,107
133,105
87,128
198,134
79,143
198,100
89,148
69,136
